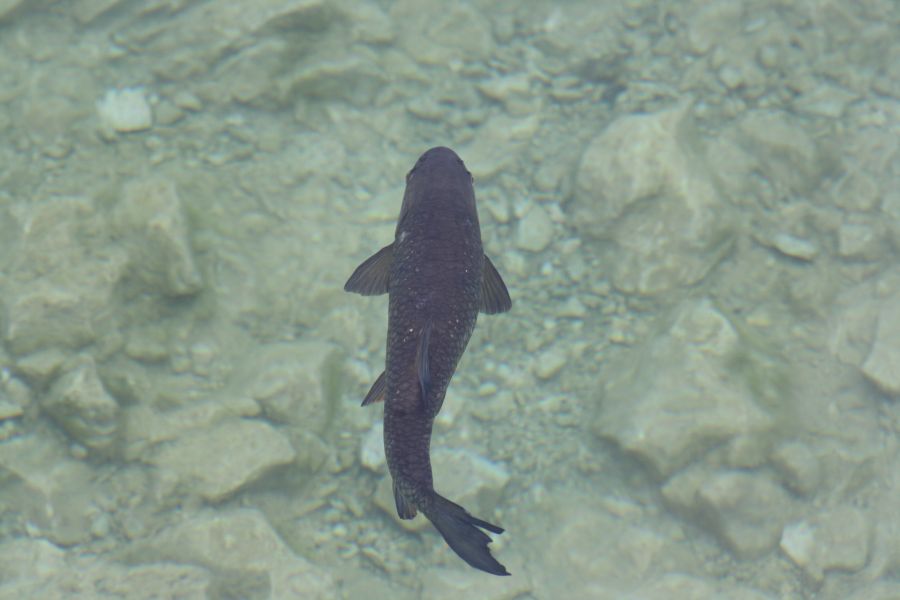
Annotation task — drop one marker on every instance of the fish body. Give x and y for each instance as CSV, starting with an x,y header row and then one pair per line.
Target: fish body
x,y
438,279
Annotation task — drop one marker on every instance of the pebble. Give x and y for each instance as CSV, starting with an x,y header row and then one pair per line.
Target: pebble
x,y
535,231
125,110
794,247
549,363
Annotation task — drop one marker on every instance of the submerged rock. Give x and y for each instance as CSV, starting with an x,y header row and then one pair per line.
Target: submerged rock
x,y
643,185
243,550
672,399
152,222
215,463
80,404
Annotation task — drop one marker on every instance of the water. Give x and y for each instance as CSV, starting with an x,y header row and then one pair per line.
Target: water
x,y
693,204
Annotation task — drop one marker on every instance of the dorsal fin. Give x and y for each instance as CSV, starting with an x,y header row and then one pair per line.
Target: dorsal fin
x,y
423,369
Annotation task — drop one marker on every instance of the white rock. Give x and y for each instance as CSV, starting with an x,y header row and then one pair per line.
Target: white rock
x,y
882,365
371,451
798,467
641,184
80,404
744,510
214,463
833,539
48,489
241,542
125,110
550,362
535,231
675,397
151,220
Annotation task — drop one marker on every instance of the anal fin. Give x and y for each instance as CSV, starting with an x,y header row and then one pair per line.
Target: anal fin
x,y
405,509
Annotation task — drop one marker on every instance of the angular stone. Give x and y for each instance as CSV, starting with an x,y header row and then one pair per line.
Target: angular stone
x,y
535,231
782,149
240,545
799,468
439,583
678,395
882,365
641,185
80,404
294,383
744,511
60,285
215,463
7,7
834,539
371,451
47,489
686,587
151,220
124,110
145,428
38,569
439,34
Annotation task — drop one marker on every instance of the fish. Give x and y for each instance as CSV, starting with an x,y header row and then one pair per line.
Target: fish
x,y
438,279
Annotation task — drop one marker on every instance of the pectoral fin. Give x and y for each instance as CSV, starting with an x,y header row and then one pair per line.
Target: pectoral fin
x,y
371,277
494,296
376,392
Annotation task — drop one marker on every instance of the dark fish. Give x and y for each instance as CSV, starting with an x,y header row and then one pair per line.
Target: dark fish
x,y
438,279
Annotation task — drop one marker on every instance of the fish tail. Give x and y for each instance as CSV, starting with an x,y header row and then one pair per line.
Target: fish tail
x,y
463,533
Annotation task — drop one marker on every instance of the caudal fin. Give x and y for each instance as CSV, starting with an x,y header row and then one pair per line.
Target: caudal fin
x,y
461,532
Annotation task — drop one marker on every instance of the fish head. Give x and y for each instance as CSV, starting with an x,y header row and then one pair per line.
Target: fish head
x,y
438,177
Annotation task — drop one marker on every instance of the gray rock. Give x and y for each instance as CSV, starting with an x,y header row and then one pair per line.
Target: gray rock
x,y
371,451
799,469
60,287
879,590
80,404
678,395
641,185
151,220
535,230
859,241
745,511
38,569
880,365
145,428
238,545
295,383
439,34
686,587
440,583
834,539
217,462
782,150
7,7
583,568
86,11
47,489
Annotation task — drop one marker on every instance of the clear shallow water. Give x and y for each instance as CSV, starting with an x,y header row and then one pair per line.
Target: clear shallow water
x,y
693,206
